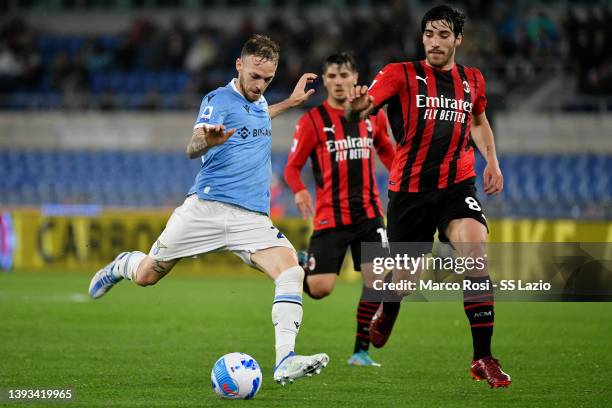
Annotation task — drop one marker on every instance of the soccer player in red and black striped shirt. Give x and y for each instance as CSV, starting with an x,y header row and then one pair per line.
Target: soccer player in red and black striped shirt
x,y
348,209
436,107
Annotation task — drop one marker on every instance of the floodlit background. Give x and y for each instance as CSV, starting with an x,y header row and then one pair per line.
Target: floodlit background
x,y
97,103
97,100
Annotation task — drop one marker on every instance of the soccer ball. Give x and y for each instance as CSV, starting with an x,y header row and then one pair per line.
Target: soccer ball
x,y
236,376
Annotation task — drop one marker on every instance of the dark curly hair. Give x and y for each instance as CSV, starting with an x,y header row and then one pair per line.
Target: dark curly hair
x,y
454,17
341,58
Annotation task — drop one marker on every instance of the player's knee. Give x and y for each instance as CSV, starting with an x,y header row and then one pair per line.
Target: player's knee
x,y
475,250
466,231
276,261
294,274
319,292
320,289
291,280
146,278
477,236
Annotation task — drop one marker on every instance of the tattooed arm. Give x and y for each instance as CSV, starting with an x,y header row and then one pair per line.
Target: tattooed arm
x,y
204,137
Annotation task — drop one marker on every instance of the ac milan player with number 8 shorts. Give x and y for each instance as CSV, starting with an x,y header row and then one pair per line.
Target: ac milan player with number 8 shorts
x,y
436,108
348,210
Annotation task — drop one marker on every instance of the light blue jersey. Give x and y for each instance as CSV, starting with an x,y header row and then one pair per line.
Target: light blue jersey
x,y
238,171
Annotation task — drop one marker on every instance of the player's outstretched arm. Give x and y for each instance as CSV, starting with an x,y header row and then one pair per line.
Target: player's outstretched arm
x,y
483,137
360,104
297,97
205,137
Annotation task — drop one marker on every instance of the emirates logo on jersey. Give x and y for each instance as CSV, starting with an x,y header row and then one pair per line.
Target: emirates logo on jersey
x,y
424,101
350,148
443,108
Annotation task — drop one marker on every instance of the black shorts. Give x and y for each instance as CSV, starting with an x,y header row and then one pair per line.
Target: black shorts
x,y
414,217
328,246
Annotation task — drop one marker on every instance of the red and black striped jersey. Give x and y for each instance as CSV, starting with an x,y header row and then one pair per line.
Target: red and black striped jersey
x,y
341,154
430,112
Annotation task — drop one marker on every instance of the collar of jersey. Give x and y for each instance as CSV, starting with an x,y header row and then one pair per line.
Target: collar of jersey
x,y
444,71
333,109
233,85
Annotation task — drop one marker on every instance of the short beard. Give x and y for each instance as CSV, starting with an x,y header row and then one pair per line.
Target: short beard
x,y
244,90
443,63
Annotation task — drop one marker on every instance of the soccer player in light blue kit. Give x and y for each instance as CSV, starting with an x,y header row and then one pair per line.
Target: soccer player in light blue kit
x,y
228,205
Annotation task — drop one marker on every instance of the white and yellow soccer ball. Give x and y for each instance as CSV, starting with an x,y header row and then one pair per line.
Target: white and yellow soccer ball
x,y
236,376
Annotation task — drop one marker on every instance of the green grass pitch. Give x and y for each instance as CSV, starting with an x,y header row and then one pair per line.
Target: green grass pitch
x,y
155,347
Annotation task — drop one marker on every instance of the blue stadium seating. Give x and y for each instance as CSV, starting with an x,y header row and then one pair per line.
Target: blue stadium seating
x,y
129,86
548,186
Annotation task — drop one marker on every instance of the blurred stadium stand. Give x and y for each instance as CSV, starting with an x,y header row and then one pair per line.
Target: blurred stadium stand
x,y
543,186
149,54
108,57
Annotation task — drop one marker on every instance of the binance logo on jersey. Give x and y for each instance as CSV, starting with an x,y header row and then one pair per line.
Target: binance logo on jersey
x,y
245,132
262,132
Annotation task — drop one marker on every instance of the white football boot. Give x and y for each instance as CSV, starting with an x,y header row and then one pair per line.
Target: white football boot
x,y
294,366
104,280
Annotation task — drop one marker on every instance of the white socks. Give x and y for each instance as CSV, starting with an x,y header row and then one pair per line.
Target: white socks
x,y
287,310
127,265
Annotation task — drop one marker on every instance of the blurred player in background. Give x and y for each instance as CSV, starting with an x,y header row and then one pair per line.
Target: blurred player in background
x,y
433,105
348,209
228,206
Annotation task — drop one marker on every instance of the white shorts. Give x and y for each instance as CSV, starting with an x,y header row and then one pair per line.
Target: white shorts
x,y
201,226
